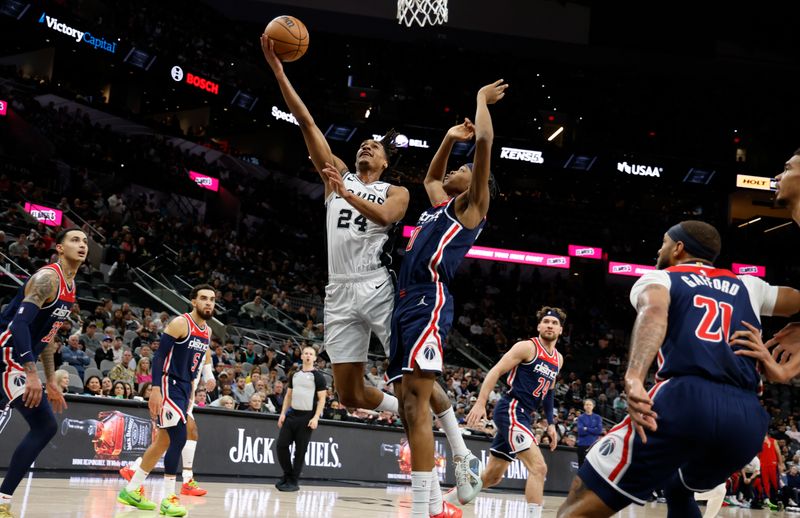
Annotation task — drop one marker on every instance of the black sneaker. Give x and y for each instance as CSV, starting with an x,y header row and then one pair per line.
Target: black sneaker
x,y
291,485
281,482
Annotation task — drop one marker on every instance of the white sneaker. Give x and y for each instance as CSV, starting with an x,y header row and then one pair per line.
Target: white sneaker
x,y
792,503
468,477
451,496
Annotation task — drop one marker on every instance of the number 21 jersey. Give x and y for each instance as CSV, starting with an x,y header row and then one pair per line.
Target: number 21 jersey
x,y
707,305
356,244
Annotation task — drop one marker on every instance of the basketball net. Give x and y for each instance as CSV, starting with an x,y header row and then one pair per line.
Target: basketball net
x,y
422,12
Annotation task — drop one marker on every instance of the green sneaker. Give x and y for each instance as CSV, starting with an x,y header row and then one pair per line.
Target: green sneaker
x,y
136,498
170,506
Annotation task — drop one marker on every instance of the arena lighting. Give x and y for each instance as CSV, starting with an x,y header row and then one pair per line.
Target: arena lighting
x,y
139,58
555,133
42,214
749,269
580,162
3,108
754,220
778,226
14,8
586,252
340,133
206,182
700,176
629,269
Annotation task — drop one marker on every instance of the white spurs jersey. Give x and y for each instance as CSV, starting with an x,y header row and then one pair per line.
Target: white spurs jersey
x,y
356,244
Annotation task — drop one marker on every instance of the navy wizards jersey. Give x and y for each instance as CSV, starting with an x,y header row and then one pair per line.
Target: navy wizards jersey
x,y
187,357
436,247
707,305
531,381
47,322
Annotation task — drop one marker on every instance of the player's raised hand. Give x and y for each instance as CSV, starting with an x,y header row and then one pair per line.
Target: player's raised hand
x,y
755,348
463,131
335,179
477,413
493,92
640,408
56,398
269,53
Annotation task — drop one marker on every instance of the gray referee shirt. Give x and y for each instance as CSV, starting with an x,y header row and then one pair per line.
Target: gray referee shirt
x,y
305,385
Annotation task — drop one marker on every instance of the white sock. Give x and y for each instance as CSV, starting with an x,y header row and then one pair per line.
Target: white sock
x,y
534,511
5,499
437,504
453,432
187,454
389,402
170,481
420,494
137,479
136,464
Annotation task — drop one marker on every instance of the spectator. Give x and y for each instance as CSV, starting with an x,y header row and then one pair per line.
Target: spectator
x,y
117,349
248,354
119,272
200,396
127,359
590,428
92,387
621,403
335,412
118,391
90,338
18,247
256,404
75,317
374,378
122,373
62,380
73,355
144,391
107,385
254,309
225,402
276,398
240,391
143,373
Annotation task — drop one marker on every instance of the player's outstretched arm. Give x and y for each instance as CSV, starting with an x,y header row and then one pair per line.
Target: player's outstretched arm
x,y
390,211
478,193
649,330
438,167
318,147
787,302
520,352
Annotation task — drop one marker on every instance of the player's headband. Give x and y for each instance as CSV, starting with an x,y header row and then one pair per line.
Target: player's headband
x,y
553,313
694,247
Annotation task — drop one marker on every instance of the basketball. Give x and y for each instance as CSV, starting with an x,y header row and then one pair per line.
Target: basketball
x,y
290,36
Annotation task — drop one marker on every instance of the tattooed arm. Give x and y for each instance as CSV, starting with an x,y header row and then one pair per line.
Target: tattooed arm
x,y
41,288
648,334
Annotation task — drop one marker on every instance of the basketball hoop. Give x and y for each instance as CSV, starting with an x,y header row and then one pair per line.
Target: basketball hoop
x,y
422,12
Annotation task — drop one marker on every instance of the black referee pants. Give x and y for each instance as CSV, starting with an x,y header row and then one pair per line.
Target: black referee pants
x,y
294,430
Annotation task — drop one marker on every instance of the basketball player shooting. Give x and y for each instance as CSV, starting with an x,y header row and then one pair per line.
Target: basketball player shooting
x,y
702,420
424,313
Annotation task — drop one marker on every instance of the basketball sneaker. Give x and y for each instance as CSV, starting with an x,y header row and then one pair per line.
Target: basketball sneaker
x,y
191,488
449,511
451,496
171,506
468,477
126,472
5,511
136,498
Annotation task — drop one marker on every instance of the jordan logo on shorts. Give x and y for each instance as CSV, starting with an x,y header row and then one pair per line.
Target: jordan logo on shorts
x,y
422,301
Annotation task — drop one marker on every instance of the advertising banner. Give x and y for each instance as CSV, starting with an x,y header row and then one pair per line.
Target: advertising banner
x,y
749,269
42,214
98,434
630,269
206,182
586,252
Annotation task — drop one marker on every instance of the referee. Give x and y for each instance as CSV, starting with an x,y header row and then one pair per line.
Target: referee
x,y
298,418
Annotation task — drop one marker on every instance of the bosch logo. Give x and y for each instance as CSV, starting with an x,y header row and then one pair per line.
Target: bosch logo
x,y
177,73
203,84
429,353
607,447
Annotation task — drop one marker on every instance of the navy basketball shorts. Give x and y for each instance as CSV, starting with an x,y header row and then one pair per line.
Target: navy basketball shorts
x,y
175,405
706,431
514,430
12,378
422,317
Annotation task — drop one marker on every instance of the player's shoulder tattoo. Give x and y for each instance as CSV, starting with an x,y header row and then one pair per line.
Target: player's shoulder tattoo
x,y
41,287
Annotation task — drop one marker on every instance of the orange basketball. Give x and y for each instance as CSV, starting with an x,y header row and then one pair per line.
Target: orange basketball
x,y
290,36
